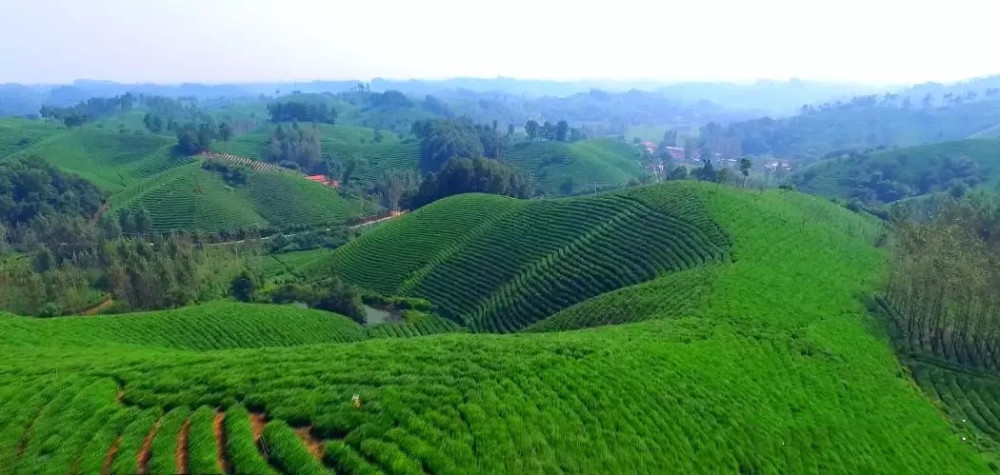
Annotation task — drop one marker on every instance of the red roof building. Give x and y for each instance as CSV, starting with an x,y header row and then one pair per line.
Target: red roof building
x,y
321,179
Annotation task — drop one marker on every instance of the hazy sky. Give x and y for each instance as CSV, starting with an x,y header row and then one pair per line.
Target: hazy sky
x,y
257,40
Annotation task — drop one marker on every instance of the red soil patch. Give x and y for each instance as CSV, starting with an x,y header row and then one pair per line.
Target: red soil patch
x,y
257,422
220,441
110,456
181,457
313,445
142,462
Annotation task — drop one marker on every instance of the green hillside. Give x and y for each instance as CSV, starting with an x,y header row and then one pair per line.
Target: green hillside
x,y
110,160
499,264
143,171
20,134
895,174
605,162
774,368
863,125
210,326
191,198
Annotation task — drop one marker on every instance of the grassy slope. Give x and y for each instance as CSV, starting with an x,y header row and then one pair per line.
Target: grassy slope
x,y
816,134
837,177
500,264
210,326
778,370
140,170
604,161
110,160
20,134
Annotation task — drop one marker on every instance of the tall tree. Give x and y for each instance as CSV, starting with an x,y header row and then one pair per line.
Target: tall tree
x,y
562,128
745,166
531,128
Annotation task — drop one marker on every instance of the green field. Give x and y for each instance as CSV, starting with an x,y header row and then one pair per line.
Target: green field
x,y
919,169
20,134
190,198
291,262
110,160
600,162
142,171
769,366
552,253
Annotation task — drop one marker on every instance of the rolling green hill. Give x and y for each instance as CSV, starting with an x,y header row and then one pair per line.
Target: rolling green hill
x,y
143,171
561,168
110,160
859,126
499,264
20,134
607,162
773,368
190,198
895,174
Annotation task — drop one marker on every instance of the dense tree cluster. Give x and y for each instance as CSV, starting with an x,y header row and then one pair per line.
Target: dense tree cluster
x,y
297,146
475,175
444,139
232,173
32,188
193,139
302,111
876,177
945,286
391,100
560,131
864,123
330,294
394,187
150,275
90,109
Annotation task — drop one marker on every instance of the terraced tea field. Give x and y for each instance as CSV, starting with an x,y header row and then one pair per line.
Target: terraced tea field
x,y
20,134
110,160
499,264
605,162
189,198
764,367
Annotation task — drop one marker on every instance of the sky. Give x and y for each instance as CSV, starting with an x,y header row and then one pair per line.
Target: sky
x,y
169,41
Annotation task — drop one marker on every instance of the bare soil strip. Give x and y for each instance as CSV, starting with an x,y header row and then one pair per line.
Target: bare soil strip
x,y
220,441
257,422
99,307
142,462
181,457
110,456
313,444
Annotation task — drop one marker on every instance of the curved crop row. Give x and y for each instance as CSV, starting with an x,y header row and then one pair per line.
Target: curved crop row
x,y
500,265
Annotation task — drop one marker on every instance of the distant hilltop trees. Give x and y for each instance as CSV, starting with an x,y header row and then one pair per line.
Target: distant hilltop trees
x,y
88,110
288,111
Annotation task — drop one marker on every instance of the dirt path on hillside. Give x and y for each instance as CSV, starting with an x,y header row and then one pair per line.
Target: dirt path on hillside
x,y
99,307
181,457
257,422
100,210
313,444
392,215
110,456
218,427
142,460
